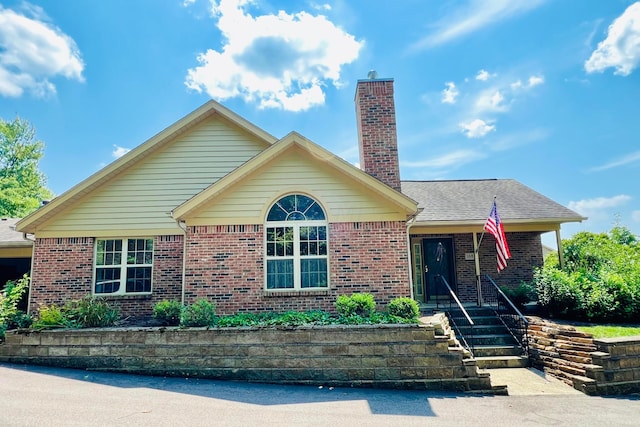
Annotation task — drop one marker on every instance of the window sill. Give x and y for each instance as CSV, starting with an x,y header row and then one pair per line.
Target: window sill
x,y
123,296
275,293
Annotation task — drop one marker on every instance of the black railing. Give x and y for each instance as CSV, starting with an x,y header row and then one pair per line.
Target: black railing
x,y
460,320
508,313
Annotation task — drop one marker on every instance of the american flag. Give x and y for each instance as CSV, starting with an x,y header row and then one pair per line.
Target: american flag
x,y
494,226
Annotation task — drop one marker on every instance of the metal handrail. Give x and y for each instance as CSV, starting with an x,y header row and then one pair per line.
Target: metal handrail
x,y
468,344
518,329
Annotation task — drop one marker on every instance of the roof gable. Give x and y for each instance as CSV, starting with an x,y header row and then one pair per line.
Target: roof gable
x,y
135,157
311,152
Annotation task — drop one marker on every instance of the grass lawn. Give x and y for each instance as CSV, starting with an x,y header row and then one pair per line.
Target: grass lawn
x,y
610,331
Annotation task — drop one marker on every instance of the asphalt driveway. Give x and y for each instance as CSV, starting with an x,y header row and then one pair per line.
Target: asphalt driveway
x,y
42,396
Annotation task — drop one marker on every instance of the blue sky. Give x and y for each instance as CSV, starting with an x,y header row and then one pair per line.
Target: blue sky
x,y
545,92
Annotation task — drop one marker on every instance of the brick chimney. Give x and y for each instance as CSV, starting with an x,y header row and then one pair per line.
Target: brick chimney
x,y
377,137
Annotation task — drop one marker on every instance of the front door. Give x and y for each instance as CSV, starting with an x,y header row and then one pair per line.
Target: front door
x,y
438,261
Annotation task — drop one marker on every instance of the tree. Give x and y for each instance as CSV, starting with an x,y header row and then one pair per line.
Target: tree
x,y
22,184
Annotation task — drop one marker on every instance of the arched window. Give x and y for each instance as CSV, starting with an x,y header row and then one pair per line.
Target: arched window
x,y
296,244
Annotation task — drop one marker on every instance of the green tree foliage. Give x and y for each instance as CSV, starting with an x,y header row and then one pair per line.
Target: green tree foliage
x,y
22,184
600,280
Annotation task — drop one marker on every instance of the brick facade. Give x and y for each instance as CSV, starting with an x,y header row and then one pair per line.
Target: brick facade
x,y
226,265
526,253
63,271
378,140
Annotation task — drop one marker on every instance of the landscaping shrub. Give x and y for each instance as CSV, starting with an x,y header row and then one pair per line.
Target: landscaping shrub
x,y
358,304
9,299
521,295
200,313
600,280
168,312
51,316
90,312
404,308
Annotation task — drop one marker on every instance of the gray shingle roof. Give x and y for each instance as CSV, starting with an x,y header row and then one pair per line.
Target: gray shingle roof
x,y
467,201
9,236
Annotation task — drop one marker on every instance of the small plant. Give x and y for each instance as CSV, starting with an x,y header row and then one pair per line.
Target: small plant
x,y
358,304
404,308
200,313
168,312
91,312
9,299
50,316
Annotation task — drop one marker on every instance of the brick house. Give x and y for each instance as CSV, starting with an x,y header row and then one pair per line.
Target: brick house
x,y
215,207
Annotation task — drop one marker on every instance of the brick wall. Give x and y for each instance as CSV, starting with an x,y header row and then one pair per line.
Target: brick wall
x,y
378,140
526,252
226,265
63,271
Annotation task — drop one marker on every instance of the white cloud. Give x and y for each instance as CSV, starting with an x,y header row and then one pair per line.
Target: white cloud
x,y
119,151
629,158
472,16
596,207
279,61
454,158
450,94
491,101
32,51
476,128
532,81
635,215
621,48
483,75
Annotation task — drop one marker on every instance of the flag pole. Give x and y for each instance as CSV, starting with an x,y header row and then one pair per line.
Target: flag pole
x,y
477,260
483,230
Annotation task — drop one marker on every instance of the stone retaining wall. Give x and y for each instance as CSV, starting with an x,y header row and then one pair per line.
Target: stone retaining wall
x,y
593,366
396,356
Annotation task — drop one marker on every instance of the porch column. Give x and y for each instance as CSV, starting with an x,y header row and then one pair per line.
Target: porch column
x,y
476,260
559,244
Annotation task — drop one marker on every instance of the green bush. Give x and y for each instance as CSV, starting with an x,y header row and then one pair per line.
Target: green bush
x,y
90,312
358,304
521,295
600,280
9,299
168,312
404,308
200,313
51,316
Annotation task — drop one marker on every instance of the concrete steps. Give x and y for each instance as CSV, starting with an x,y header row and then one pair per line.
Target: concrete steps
x,y
493,345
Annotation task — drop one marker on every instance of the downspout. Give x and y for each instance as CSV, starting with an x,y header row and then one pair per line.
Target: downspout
x,y
182,226
33,252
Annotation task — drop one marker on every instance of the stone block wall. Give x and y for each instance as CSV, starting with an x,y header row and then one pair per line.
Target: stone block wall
x,y
593,366
395,356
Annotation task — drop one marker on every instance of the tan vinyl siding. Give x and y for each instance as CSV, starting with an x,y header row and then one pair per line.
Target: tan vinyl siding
x,y
247,201
143,196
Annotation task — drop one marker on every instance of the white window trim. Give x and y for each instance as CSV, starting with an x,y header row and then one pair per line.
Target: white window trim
x,y
123,267
296,257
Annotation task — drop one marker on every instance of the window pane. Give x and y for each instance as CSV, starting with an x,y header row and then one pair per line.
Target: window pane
x,y
107,280
315,212
138,279
313,273
280,274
